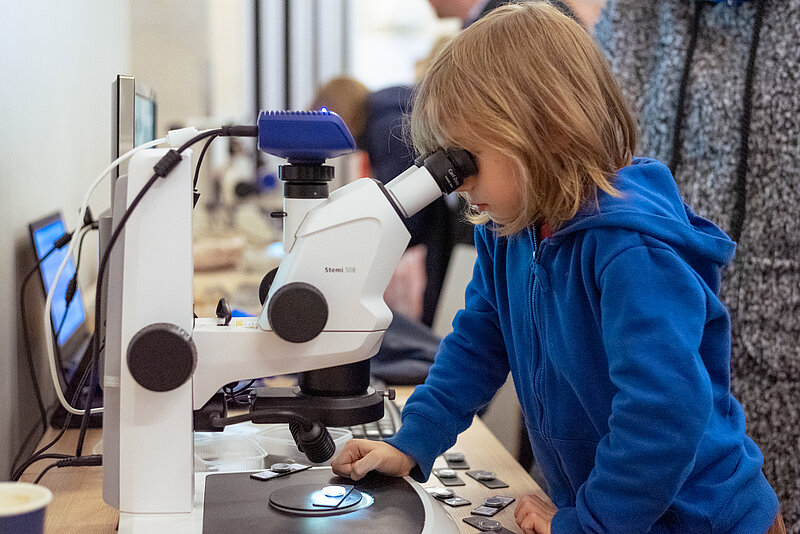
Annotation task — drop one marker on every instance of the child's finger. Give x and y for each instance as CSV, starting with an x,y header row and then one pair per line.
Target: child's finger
x,y
359,457
353,451
360,468
533,514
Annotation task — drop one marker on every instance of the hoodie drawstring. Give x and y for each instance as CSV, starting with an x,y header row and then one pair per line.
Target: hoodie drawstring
x,y
677,129
740,185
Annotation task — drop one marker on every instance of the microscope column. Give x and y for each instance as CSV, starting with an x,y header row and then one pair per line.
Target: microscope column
x,y
155,460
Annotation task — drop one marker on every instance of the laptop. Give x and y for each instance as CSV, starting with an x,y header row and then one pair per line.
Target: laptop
x,y
69,322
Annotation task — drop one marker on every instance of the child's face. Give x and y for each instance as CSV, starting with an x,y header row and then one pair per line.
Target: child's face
x,y
495,189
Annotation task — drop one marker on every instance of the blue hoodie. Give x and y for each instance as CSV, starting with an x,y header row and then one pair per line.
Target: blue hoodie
x,y
620,350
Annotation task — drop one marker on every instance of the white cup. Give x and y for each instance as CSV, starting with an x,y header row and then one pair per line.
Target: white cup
x,y
22,507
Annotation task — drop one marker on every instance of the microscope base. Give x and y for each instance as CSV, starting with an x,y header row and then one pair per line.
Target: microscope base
x,y
238,503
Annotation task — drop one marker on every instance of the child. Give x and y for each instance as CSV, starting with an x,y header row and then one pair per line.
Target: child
x,y
594,285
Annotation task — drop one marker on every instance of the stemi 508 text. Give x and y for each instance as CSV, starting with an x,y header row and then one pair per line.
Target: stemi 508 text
x,y
343,270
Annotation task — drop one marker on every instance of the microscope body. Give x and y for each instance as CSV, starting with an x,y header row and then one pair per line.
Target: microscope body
x,y
164,367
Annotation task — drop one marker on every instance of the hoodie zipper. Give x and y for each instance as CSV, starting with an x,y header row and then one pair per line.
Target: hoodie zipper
x,y
535,341
537,371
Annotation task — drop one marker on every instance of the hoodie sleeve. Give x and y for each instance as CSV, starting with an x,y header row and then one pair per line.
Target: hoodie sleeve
x,y
468,369
653,310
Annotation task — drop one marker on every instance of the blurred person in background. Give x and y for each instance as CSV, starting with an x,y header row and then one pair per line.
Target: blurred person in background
x,y
585,11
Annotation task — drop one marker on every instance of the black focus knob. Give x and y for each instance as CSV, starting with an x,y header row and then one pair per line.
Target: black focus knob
x,y
297,312
266,283
161,357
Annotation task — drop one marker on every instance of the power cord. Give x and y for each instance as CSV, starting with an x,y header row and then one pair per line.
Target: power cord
x,y
200,161
72,461
39,455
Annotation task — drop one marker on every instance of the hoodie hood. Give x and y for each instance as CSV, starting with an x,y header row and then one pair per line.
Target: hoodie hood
x,y
650,203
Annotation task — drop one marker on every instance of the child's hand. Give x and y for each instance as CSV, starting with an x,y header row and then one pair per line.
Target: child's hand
x,y
360,456
534,515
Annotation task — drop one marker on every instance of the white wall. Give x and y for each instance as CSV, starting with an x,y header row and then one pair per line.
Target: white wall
x,y
391,36
169,52
58,60
230,51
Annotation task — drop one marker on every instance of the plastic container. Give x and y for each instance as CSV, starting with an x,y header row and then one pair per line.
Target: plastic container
x,y
277,441
221,452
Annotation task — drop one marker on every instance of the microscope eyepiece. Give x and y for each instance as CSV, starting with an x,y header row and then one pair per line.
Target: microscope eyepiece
x,y
442,171
450,167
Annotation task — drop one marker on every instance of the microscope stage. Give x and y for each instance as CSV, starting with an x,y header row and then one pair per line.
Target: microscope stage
x,y
236,503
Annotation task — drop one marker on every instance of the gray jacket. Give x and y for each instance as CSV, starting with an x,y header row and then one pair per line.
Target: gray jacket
x,y
648,43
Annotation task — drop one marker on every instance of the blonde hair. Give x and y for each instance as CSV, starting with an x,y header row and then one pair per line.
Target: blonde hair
x,y
346,97
530,82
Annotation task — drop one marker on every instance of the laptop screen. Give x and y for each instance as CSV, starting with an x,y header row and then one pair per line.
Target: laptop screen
x,y
68,322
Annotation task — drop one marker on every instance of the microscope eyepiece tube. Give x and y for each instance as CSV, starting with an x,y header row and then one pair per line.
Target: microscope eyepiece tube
x,y
414,190
441,172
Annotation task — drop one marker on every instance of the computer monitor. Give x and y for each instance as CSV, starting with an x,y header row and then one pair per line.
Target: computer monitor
x,y
134,111
69,323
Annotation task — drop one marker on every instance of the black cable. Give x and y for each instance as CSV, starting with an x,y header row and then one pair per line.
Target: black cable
x,y
24,447
71,289
25,332
18,473
200,161
38,455
59,243
72,461
72,286
44,472
267,415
